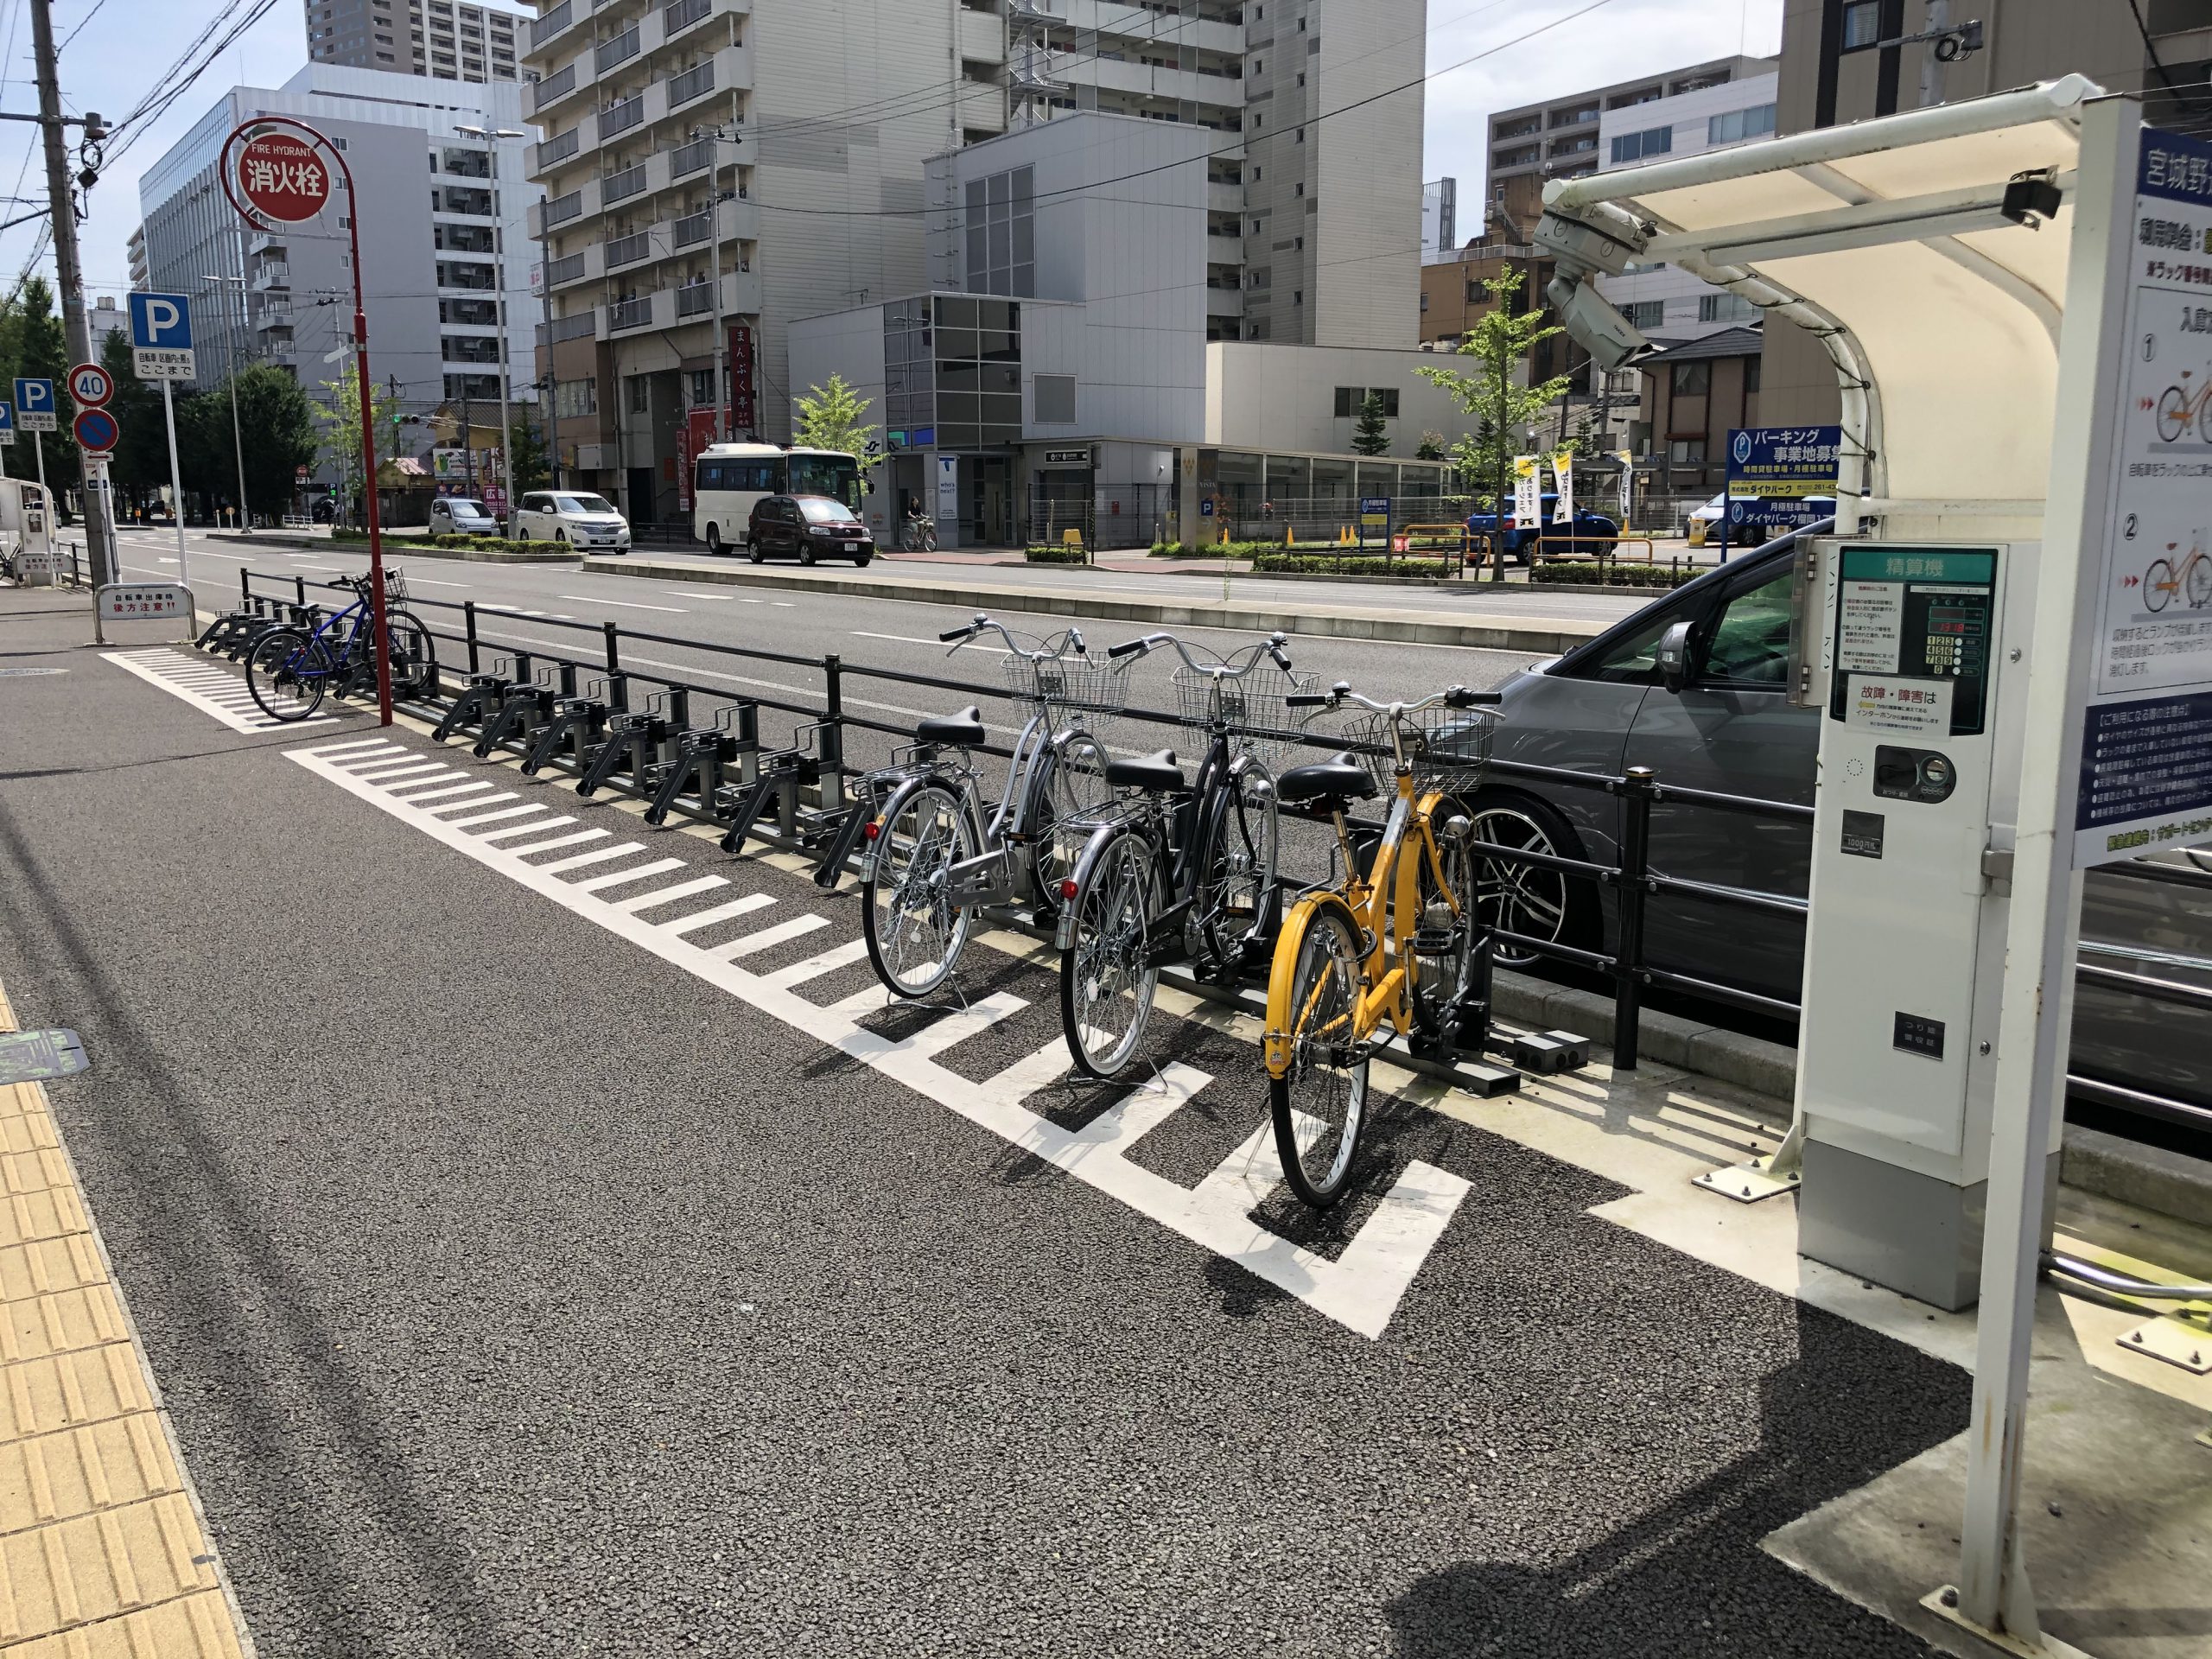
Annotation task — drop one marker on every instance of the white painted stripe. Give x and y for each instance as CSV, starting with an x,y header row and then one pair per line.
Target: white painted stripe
x,y
392,770
576,840
627,605
580,860
449,789
692,923
658,867
470,806
405,786
534,829
162,666
391,755
495,818
754,944
1361,1289
326,750
840,955
669,895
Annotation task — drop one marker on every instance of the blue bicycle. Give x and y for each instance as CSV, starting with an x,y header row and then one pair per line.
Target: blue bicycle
x,y
289,670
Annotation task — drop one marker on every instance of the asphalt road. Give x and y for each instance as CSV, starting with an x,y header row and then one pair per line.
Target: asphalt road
x,y
517,1291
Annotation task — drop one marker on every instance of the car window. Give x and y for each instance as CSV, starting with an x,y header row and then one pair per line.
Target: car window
x,y
1750,642
585,503
1633,658
537,504
825,512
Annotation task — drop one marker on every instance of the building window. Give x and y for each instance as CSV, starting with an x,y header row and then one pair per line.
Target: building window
x,y
1636,146
1690,379
1687,452
573,400
1752,372
702,387
641,394
999,227
1642,313
1862,25
1725,308
1052,399
1740,124
1351,399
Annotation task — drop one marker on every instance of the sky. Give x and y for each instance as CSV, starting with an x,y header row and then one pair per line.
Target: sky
x,y
125,45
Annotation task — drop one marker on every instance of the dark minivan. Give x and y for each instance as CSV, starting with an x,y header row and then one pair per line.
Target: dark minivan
x,y
807,527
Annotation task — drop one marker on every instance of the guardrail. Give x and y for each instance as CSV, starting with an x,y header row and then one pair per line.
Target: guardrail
x,y
1575,542
665,733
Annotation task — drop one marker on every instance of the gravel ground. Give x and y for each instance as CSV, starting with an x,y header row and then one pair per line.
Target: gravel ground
x,y
515,1294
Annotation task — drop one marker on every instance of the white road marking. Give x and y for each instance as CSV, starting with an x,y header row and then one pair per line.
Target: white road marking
x,y
636,873
686,593
532,829
160,666
908,639
693,923
581,836
494,817
597,855
328,750
1361,1289
585,598
786,604
661,896
444,789
425,581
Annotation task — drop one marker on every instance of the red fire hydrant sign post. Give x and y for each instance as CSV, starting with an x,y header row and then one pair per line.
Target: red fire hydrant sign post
x,y
277,170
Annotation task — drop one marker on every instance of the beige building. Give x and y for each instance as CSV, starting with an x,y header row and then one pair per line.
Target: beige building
x,y
1834,69
444,40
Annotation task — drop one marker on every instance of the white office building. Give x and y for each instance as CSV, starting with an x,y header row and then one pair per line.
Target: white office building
x,y
428,211
1059,370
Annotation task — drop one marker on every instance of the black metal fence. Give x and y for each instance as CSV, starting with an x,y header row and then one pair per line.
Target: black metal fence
x,y
832,729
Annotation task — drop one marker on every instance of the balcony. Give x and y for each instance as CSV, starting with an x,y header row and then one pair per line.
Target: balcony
x,y
621,117
691,230
695,300
578,326
631,180
694,157
265,242
271,274
695,82
675,19
562,209
273,316
983,109
982,37
626,314
1224,198
552,89
538,30
475,279
627,249
562,271
620,49
544,157
473,204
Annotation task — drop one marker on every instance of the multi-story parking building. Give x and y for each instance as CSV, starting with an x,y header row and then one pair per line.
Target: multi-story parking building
x,y
808,132
444,39
431,270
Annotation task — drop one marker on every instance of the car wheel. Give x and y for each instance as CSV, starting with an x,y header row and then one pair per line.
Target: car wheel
x,y
805,553
1534,902
714,541
753,551
860,563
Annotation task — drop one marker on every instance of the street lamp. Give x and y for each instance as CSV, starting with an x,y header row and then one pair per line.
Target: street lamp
x,y
491,136
230,351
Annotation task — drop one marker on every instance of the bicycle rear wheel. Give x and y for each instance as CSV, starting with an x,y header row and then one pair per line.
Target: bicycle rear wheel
x,y
1444,938
1320,1105
414,656
2196,581
1106,982
914,930
1240,876
288,671
1074,786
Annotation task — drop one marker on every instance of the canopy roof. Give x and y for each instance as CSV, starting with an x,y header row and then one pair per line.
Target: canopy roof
x,y
1890,240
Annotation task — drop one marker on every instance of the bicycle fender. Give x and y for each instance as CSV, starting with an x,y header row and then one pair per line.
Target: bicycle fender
x,y
1078,879
1274,1041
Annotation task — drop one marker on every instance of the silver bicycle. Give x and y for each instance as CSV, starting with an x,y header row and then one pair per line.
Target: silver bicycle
x,y
933,855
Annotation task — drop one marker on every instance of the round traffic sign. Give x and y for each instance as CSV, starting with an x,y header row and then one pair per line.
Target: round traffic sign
x,y
282,178
97,431
91,385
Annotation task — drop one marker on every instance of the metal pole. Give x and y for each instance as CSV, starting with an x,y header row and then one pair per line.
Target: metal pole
x,y
176,483
715,277
99,520
552,378
238,439
38,444
499,306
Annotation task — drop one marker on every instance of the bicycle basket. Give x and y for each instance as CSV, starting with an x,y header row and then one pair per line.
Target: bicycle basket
x,y
1449,748
1255,705
1070,682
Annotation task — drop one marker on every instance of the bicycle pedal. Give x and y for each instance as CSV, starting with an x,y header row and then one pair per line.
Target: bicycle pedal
x,y
1434,942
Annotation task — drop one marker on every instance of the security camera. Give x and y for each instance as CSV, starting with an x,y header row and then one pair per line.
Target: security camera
x,y
1597,236
1611,340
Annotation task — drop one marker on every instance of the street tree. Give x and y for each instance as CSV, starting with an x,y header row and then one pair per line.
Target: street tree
x,y
1501,407
276,425
829,418
1369,436
339,417
34,346
527,450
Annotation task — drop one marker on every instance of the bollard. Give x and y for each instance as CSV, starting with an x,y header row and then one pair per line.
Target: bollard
x,y
300,591
831,789
469,626
246,586
568,679
1640,789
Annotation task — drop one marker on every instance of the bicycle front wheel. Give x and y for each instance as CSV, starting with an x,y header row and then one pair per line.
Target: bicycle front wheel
x,y
1074,786
414,657
1444,936
913,928
2173,414
1320,1104
1240,875
2196,582
2159,585
1106,981
288,671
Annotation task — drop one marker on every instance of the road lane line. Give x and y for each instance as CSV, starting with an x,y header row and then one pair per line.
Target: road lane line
x,y
908,639
585,598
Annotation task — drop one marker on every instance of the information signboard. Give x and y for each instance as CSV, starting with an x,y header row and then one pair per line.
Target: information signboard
x,y
142,601
1374,512
1781,476
2145,779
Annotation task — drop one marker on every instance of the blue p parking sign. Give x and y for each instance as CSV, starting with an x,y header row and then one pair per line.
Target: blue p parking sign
x,y
160,336
35,405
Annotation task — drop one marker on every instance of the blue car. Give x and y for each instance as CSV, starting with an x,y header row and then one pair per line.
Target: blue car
x,y
1592,532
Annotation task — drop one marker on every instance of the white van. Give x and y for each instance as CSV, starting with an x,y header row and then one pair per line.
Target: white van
x,y
586,522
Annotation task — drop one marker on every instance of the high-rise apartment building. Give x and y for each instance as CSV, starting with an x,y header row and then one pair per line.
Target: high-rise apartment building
x,y
444,39
1845,60
432,270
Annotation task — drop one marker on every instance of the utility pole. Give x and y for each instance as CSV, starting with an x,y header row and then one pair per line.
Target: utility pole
x,y
61,198
552,379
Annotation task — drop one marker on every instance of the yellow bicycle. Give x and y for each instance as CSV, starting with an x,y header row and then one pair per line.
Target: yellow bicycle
x,y
1400,946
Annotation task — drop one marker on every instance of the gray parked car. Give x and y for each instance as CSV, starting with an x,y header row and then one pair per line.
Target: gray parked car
x,y
1694,686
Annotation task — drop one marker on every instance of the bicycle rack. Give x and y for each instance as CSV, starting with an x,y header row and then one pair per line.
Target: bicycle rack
x,y
526,704
472,706
701,753
583,719
635,737
783,774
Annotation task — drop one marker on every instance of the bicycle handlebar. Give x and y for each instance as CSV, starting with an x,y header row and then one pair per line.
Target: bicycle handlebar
x,y
1051,650
1270,646
1457,697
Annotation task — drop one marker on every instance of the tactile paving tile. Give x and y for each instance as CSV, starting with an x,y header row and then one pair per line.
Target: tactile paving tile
x,y
194,1627
95,1567
82,1470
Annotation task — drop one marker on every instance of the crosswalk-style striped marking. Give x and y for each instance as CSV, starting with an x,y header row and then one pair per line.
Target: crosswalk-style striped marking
x,y
1360,1288
212,691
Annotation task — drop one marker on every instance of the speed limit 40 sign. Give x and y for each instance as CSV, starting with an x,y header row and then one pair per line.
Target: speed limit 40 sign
x,y
91,385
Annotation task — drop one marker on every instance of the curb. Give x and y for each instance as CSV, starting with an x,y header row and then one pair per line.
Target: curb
x,y
468,554
2150,1178
1549,636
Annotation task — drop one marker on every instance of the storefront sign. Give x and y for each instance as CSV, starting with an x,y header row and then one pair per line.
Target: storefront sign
x,y
744,402
1066,458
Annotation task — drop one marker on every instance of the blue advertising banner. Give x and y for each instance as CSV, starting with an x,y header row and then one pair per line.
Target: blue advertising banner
x,y
1781,476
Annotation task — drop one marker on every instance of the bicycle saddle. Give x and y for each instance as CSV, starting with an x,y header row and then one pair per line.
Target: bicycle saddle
x,y
962,730
1154,772
1341,776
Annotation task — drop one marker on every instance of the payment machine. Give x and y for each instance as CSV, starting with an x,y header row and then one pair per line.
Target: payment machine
x,y
1907,657
27,531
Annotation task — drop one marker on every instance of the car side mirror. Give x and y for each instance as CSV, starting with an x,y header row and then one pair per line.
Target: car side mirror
x,y
1673,657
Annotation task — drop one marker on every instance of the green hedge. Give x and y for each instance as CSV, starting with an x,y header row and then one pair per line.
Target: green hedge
x,y
1308,564
482,543
1056,555
1233,549
1591,574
